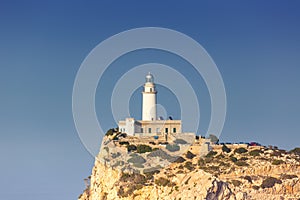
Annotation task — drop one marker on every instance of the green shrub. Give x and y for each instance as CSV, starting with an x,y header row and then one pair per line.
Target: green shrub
x,y
118,163
190,155
179,160
106,149
233,159
172,148
129,190
255,152
125,177
131,147
209,159
282,151
255,187
180,141
137,160
241,163
133,178
180,167
161,154
162,181
277,162
115,155
236,183
213,168
124,143
276,153
149,172
189,166
288,176
138,165
263,158
220,156
226,149
211,154
224,164
142,148
295,151
243,158
240,150
248,178
122,193
270,182
110,132
201,162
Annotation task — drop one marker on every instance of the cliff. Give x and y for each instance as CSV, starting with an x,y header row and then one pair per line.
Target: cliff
x,y
236,172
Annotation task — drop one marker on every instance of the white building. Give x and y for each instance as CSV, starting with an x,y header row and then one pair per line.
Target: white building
x,y
149,125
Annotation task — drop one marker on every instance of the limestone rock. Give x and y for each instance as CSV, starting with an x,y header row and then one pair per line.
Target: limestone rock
x,y
214,178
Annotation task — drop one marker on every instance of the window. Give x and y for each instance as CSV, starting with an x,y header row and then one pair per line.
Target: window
x,y
174,130
166,130
157,130
150,89
149,130
142,130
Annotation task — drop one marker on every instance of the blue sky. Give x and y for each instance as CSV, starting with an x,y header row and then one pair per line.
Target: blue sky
x,y
255,44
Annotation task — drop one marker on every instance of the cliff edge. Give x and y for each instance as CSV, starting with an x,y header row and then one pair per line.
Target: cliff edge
x,y
234,172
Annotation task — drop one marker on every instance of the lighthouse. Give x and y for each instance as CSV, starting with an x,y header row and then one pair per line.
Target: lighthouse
x,y
149,99
150,125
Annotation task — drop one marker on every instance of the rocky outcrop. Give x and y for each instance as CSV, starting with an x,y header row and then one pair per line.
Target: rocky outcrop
x,y
264,174
106,183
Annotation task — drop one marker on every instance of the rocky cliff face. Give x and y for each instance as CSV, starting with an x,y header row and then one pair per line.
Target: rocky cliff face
x,y
250,173
107,183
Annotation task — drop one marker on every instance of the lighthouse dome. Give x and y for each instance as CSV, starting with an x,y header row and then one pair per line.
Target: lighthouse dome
x,y
149,78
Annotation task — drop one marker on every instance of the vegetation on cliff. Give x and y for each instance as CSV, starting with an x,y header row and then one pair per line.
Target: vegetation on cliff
x,y
228,171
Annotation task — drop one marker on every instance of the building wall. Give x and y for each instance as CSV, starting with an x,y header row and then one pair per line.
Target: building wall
x,y
137,127
122,126
128,126
159,126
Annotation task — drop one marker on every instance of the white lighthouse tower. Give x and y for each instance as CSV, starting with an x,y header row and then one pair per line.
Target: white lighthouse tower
x,y
150,125
149,99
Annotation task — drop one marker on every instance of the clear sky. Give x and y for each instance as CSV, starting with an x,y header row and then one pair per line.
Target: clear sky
x,y
255,44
